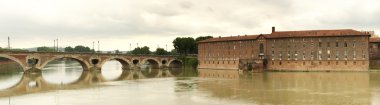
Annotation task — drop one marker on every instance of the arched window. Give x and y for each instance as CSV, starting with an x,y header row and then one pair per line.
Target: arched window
x,y
261,48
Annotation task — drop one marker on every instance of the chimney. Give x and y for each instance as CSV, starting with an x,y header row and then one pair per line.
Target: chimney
x,y
273,29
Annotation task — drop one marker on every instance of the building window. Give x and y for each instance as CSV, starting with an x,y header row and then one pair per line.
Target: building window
x,y
336,44
295,55
354,55
288,55
303,55
345,44
328,63
312,55
280,63
354,44
272,63
328,44
363,54
320,44
337,55
261,48
345,54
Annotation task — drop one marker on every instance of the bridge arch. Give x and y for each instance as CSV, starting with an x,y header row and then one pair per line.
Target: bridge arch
x,y
176,63
24,67
126,64
156,63
85,65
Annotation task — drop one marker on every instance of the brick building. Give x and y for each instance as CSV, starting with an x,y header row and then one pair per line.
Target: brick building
x,y
311,50
374,52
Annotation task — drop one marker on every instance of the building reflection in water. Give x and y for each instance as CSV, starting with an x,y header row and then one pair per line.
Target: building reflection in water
x,y
293,87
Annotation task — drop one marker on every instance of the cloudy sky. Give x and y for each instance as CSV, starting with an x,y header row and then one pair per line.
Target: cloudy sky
x,y
119,23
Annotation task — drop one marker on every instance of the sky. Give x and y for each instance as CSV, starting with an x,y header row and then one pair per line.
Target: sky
x,y
121,24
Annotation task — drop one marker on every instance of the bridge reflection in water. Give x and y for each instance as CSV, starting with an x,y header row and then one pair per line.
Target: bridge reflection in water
x,y
34,82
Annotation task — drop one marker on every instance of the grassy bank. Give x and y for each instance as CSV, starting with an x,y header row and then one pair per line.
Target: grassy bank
x,y
189,62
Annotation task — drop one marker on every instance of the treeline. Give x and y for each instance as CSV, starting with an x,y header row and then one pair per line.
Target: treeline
x,y
78,48
188,45
7,49
145,51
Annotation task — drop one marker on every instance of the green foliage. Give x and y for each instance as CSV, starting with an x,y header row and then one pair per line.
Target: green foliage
x,y
189,61
141,50
20,50
201,38
69,49
185,45
45,49
78,48
173,52
161,51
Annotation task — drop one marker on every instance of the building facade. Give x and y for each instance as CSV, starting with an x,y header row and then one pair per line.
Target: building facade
x,y
311,50
374,52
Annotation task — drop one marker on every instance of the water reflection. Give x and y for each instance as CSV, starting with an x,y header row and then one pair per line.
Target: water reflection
x,y
318,88
62,71
206,87
112,70
8,80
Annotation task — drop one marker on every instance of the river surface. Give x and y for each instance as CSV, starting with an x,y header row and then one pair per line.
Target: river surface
x,y
65,83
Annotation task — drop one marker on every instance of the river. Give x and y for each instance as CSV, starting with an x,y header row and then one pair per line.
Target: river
x,y
65,83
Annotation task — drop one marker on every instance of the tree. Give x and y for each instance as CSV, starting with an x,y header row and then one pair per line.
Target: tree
x,y
78,48
81,48
45,49
161,51
69,49
141,50
173,52
185,45
201,38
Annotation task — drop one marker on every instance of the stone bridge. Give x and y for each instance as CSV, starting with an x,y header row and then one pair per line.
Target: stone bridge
x,y
90,61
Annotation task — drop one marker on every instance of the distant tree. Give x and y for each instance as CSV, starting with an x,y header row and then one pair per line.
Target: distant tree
x,y
185,45
78,48
69,49
117,51
161,51
45,49
81,48
141,50
201,38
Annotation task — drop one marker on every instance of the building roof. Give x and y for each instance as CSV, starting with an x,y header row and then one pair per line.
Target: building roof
x,y
374,40
316,33
231,38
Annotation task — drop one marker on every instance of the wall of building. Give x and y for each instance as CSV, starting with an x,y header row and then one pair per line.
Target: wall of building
x,y
226,54
343,53
348,53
